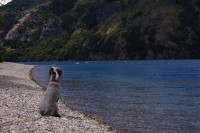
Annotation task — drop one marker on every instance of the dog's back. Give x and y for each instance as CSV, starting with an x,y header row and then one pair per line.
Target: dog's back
x,y
48,106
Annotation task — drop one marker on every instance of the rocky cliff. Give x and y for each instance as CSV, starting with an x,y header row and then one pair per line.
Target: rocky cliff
x,y
100,29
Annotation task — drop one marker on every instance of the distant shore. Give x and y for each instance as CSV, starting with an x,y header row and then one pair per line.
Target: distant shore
x,y
20,97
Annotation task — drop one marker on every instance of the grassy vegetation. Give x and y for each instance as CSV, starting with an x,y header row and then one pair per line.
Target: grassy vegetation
x,y
73,31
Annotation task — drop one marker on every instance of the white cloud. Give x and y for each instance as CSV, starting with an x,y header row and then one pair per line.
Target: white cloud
x,y
3,2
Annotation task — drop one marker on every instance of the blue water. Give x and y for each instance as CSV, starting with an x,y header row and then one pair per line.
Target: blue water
x,y
133,96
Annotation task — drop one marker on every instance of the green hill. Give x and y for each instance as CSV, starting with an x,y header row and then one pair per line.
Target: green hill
x,y
38,30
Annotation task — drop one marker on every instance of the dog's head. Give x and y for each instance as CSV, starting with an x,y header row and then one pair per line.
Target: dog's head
x,y
55,74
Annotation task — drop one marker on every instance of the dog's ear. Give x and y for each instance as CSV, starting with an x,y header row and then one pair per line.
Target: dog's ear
x,y
59,71
50,70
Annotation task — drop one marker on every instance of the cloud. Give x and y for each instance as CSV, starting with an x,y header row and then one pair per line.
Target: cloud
x,y
4,2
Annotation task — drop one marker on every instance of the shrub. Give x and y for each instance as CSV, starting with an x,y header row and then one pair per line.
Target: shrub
x,y
1,58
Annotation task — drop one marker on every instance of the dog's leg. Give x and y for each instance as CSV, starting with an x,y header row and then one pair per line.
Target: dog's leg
x,y
56,114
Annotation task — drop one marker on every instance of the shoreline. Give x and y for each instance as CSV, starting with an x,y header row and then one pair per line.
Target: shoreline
x,y
68,106
20,96
34,80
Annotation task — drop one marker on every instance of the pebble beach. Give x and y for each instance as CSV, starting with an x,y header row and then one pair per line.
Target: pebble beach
x,y
19,100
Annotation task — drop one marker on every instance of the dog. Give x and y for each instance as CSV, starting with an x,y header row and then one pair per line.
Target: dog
x,y
48,106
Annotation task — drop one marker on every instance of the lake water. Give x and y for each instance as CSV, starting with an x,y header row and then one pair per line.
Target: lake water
x,y
133,96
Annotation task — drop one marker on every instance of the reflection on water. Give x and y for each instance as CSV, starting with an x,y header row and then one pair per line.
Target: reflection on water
x,y
133,96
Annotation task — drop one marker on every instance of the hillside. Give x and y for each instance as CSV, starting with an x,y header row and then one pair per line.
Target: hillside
x,y
38,30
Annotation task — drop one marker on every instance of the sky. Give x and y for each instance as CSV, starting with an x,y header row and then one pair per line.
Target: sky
x,y
3,2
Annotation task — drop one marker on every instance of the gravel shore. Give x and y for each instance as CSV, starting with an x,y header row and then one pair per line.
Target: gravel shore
x,y
19,100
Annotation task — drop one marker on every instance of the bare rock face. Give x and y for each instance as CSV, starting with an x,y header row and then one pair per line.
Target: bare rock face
x,y
120,49
13,34
22,32
49,31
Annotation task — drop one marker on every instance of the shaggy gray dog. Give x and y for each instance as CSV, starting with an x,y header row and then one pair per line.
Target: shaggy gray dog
x,y
48,106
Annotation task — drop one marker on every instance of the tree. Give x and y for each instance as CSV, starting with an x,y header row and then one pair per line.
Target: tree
x,y
3,22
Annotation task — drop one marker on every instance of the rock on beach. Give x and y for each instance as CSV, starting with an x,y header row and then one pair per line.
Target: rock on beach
x,y
19,101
